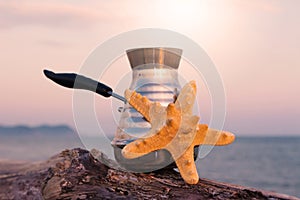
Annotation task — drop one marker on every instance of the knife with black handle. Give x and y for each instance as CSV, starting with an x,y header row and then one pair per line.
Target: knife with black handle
x,y
71,80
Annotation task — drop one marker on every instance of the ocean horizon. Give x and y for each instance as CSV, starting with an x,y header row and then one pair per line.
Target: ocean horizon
x,y
264,162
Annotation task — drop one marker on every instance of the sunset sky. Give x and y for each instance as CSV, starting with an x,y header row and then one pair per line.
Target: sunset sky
x,y
254,44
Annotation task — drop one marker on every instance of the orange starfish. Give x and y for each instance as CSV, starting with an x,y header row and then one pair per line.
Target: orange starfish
x,y
175,129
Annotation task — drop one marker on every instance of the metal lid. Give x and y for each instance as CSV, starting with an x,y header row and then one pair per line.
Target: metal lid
x,y
160,55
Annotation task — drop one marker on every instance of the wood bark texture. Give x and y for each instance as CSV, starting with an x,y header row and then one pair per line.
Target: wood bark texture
x,y
76,174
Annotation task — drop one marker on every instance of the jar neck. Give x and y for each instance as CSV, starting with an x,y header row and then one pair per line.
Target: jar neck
x,y
154,55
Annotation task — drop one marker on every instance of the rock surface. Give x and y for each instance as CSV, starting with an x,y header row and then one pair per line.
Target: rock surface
x,y
76,174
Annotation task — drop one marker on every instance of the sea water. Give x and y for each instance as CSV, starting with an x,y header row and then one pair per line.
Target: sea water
x,y
271,163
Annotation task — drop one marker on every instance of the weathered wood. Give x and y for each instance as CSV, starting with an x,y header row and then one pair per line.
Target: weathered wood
x,y
76,174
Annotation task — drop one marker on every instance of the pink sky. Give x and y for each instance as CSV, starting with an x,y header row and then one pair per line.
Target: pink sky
x,y
254,44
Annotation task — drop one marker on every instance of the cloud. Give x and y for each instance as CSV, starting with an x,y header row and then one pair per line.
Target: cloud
x,y
39,13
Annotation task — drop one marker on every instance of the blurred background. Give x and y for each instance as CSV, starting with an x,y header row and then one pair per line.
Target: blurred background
x,y
255,46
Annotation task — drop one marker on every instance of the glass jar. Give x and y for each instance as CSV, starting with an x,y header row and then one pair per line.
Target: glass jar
x,y
154,75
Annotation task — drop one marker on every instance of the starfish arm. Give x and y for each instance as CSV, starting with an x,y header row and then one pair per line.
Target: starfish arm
x,y
213,136
186,98
139,102
187,167
157,138
144,146
222,137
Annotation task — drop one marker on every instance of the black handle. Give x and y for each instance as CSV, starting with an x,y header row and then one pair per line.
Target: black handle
x,y
71,80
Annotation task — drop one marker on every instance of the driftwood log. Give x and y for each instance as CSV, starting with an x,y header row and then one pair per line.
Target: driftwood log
x,y
76,174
